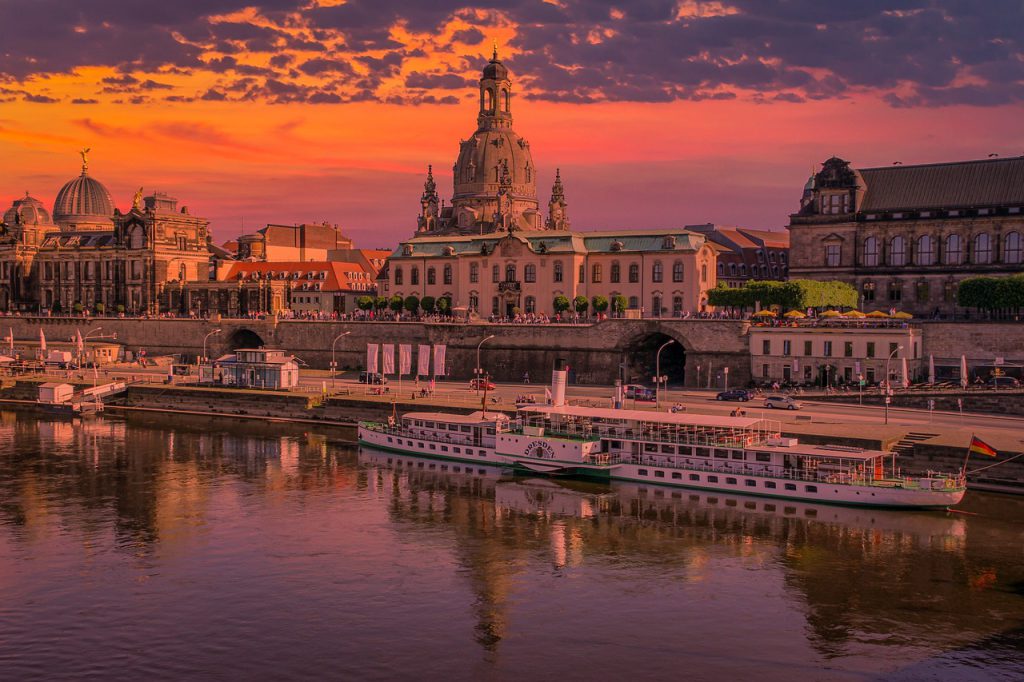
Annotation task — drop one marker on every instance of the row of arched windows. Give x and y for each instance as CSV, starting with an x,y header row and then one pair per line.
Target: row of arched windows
x,y
926,252
740,270
414,275
558,273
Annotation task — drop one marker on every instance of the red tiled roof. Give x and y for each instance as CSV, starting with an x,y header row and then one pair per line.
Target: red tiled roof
x,y
337,278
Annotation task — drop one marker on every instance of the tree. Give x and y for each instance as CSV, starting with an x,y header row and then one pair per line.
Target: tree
x,y
412,304
56,307
600,303
365,302
77,307
561,304
619,303
100,308
794,294
396,303
580,303
1001,297
120,309
381,303
428,304
444,305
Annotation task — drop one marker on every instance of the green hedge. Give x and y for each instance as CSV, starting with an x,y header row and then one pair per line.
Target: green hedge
x,y
1000,295
795,294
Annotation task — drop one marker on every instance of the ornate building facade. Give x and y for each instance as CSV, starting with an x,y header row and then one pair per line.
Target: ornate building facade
x,y
491,253
91,257
905,236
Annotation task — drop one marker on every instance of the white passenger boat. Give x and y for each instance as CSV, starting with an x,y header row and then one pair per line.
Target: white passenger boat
x,y
726,454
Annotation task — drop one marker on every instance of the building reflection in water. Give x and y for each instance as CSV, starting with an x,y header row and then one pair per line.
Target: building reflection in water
x,y
853,575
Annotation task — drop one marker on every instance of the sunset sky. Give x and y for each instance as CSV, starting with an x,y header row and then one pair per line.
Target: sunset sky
x,y
659,113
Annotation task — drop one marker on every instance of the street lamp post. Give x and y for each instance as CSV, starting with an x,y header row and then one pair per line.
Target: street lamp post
x,y
334,364
888,381
657,372
215,331
479,375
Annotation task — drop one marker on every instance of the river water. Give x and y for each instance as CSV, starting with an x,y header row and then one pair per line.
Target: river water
x,y
169,548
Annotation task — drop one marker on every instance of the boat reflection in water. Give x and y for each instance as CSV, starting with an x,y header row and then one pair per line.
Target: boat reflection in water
x,y
552,498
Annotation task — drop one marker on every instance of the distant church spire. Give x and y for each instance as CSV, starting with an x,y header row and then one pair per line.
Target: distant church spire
x,y
428,204
558,217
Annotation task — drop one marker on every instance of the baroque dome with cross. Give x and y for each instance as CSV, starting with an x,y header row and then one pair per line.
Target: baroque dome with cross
x,y
495,178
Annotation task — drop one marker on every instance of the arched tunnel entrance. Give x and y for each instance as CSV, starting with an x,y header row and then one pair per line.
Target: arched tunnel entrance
x,y
244,338
639,360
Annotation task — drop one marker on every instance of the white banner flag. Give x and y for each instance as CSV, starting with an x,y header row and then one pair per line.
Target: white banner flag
x,y
404,359
856,366
389,358
423,364
439,359
371,358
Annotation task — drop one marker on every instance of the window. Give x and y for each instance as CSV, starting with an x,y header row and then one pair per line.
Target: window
x,y
848,349
510,272
531,304
871,349
474,272
869,291
949,292
730,480
765,372
495,273
925,250
494,305
634,273
870,252
642,472
634,302
832,256
1012,248
828,349
657,272
414,276
749,482
712,479
182,243
530,273
398,276
923,291
787,347
811,488
431,276
895,290
656,305
954,250
677,305
703,273
694,477
583,273
595,272
897,251
893,347
834,204
789,486
808,345
983,249
676,475
447,274
763,457
474,302
677,271
770,484
616,274
766,347
659,474
558,272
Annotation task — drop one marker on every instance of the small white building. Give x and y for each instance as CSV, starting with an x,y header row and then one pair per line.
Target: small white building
x,y
257,368
55,393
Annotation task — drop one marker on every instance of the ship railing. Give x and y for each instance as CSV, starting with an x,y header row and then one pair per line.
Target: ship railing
x,y
405,433
746,439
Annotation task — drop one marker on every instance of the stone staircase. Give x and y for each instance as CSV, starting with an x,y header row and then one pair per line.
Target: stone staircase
x,y
905,446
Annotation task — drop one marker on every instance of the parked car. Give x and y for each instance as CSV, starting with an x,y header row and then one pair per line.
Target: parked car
x,y
477,384
641,393
782,402
629,390
1003,382
367,378
741,394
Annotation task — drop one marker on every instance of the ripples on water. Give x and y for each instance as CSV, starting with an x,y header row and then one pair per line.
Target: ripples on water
x,y
166,548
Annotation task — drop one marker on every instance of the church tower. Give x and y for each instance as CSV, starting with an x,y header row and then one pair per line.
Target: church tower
x,y
558,217
428,204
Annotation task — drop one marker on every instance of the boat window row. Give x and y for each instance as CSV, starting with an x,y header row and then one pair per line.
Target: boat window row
x,y
455,449
729,480
432,465
707,453
442,426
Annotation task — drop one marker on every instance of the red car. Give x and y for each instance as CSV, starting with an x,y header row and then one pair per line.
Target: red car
x,y
478,384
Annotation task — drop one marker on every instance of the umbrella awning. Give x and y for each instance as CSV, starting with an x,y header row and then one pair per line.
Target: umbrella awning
x,y
878,315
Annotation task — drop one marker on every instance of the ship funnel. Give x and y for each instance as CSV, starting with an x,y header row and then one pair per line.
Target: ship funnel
x,y
558,379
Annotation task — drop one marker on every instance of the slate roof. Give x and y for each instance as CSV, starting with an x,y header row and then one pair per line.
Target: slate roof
x,y
963,184
557,241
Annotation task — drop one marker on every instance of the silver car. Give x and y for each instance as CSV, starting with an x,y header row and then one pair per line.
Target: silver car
x,y
782,402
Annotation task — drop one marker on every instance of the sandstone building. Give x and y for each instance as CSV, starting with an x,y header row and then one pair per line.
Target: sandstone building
x,y
88,255
904,236
492,252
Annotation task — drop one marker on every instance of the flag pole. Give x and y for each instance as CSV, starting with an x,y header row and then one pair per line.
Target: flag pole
x,y
967,458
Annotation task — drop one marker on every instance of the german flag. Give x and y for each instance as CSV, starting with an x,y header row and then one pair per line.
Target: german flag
x,y
980,447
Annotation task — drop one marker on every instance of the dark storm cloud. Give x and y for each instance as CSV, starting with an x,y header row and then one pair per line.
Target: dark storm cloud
x,y
441,81
911,52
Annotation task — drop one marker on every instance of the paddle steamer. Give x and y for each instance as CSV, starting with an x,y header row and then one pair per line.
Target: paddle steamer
x,y
726,454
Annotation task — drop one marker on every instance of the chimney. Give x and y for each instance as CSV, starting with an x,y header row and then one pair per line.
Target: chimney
x,y
558,379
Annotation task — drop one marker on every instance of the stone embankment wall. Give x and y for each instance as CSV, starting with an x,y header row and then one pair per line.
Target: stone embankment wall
x,y
593,351
1008,402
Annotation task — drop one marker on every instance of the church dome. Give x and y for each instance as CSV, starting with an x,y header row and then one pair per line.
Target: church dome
x,y
483,159
27,211
84,203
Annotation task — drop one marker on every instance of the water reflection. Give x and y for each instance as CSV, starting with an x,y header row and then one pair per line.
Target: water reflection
x,y
475,571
